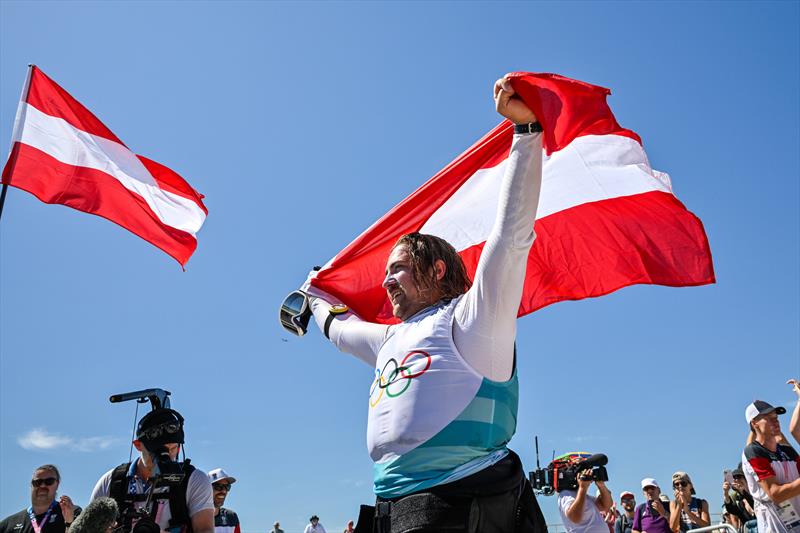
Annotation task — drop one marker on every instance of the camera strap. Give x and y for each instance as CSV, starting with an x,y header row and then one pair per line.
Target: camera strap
x,y
178,510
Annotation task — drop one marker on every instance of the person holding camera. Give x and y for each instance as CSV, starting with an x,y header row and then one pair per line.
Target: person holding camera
x,y
652,516
155,492
770,466
582,513
46,514
738,501
686,510
444,398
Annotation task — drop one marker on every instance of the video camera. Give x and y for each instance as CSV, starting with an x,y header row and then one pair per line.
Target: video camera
x,y
564,471
160,426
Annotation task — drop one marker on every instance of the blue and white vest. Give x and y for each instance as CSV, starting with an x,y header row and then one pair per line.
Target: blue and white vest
x,y
432,418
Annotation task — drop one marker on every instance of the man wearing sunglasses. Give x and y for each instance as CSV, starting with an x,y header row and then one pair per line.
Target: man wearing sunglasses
x,y
225,520
770,466
444,397
46,514
184,505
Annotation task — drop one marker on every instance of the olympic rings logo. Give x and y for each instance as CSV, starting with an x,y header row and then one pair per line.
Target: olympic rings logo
x,y
394,379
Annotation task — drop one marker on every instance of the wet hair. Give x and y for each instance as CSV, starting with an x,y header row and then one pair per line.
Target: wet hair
x,y
50,468
424,250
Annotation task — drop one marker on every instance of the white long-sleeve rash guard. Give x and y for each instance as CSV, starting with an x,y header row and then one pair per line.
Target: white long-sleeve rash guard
x,y
485,323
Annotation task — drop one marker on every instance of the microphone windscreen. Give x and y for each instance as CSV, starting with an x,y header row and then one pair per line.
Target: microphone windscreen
x,y
98,517
598,459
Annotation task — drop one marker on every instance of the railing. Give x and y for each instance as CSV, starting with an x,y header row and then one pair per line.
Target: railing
x,y
559,528
725,527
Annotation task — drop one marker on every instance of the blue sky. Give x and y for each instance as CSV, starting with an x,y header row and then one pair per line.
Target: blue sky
x,y
302,123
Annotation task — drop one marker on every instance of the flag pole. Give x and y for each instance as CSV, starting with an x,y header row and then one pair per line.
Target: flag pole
x,y
16,135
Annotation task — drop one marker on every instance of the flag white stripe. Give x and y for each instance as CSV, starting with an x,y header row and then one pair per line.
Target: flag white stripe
x,y
75,147
589,169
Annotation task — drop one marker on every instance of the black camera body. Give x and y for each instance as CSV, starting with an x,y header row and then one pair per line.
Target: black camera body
x,y
564,472
171,474
143,523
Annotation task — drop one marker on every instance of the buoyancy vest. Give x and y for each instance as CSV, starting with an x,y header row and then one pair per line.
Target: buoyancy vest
x,y
432,418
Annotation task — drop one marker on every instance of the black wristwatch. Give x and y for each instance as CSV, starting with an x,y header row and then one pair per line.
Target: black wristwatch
x,y
531,127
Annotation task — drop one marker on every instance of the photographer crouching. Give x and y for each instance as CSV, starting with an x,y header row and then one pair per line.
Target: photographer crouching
x,y
580,512
155,492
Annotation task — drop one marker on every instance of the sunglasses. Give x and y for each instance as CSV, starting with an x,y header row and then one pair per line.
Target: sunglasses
x,y
221,487
157,431
48,481
295,313
680,484
738,477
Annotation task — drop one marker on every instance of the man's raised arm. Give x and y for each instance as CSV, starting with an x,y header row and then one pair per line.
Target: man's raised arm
x,y
486,317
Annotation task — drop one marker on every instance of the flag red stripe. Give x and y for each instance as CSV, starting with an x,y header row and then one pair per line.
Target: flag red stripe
x,y
95,192
599,247
582,252
49,97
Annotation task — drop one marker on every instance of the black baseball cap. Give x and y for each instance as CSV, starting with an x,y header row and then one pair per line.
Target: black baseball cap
x,y
161,426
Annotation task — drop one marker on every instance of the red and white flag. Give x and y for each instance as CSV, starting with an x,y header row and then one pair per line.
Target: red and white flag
x,y
62,154
605,220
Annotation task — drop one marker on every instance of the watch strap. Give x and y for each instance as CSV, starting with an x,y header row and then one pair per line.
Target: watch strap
x,y
531,127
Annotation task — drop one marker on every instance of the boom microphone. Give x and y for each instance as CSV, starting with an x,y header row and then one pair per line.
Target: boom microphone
x,y
598,459
98,517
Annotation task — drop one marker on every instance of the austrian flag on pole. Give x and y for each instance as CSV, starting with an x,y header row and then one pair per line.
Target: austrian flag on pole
x,y
62,154
605,219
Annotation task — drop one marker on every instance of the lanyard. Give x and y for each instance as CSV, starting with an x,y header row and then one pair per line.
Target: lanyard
x,y
37,527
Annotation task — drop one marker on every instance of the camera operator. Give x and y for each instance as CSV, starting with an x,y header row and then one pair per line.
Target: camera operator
x,y
46,514
582,513
155,492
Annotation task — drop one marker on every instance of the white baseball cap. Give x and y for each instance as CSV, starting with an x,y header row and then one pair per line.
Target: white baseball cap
x,y
219,474
649,482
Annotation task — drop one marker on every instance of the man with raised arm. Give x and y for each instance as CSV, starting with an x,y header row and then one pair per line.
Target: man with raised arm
x,y
443,403
772,470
